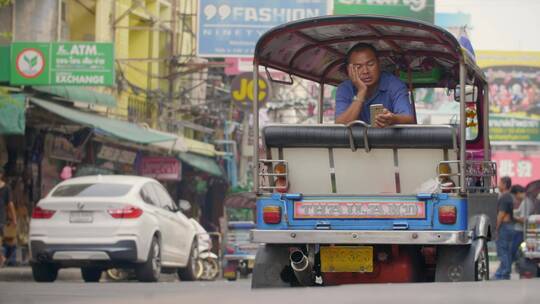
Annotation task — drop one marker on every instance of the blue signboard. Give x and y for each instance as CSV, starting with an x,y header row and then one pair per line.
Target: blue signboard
x,y
231,28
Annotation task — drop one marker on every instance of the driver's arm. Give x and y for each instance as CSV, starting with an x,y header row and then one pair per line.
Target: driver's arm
x,y
352,112
347,108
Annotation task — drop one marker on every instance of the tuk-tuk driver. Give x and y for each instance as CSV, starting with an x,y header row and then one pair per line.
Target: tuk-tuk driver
x,y
367,85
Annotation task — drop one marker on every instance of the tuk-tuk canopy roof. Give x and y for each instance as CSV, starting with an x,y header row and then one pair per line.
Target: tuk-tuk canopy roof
x,y
315,49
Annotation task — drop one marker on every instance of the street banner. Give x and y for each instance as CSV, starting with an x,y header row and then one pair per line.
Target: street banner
x,y
161,168
58,147
417,9
236,66
62,63
242,90
507,128
117,155
522,167
514,81
231,28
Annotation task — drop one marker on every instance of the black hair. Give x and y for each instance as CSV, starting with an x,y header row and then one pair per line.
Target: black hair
x,y
357,48
515,189
507,181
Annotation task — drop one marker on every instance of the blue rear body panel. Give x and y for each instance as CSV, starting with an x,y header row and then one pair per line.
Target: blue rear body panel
x,y
429,222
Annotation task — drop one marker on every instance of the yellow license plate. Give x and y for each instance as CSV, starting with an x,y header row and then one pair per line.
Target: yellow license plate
x,y
347,259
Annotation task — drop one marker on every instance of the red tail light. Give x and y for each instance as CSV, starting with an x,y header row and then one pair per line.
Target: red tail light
x,y
126,212
40,213
447,215
272,214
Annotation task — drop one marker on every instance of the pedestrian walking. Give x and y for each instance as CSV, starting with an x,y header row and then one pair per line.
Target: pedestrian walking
x,y
6,207
504,231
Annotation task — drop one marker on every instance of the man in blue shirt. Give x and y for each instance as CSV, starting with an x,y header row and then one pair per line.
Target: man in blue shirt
x,y
367,85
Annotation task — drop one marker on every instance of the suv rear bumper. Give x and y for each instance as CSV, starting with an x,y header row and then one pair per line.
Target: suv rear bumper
x,y
361,237
121,251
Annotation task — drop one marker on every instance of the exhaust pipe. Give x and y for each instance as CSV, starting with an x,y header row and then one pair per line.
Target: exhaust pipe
x,y
301,267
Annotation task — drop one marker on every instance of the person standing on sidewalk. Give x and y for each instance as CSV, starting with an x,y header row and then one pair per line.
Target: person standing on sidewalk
x,y
525,209
504,231
6,205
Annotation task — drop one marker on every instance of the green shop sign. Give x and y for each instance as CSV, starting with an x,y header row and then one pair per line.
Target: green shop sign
x,y
62,63
513,129
417,9
4,63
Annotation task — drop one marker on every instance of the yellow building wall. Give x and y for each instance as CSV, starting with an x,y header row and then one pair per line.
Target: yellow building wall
x,y
134,44
80,21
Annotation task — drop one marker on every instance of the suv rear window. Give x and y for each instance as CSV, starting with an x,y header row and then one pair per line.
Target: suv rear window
x,y
92,190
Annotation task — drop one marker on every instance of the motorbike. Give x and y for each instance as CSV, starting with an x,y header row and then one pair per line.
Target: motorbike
x,y
207,267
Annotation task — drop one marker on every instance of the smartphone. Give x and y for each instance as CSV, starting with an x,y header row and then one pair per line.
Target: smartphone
x,y
374,110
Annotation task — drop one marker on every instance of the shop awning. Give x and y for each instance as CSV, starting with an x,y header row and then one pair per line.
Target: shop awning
x,y
12,120
202,163
107,126
79,94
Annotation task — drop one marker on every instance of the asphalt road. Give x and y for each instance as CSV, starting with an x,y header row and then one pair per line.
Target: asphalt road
x,y
221,292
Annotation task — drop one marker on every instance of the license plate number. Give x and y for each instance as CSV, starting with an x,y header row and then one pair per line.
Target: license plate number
x,y
347,259
81,217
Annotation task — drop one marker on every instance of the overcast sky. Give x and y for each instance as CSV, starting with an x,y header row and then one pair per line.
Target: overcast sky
x,y
512,25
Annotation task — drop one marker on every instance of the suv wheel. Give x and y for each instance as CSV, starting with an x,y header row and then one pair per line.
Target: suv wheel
x,y
150,270
189,273
44,272
90,274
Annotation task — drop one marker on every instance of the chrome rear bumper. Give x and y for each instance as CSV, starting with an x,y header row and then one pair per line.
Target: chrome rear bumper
x,y
361,237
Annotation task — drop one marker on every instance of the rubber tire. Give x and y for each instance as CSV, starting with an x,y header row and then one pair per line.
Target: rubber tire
x,y
145,272
214,265
44,272
188,273
91,274
486,257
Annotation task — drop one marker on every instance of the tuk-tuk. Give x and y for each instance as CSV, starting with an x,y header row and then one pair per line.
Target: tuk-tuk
x,y
239,251
352,203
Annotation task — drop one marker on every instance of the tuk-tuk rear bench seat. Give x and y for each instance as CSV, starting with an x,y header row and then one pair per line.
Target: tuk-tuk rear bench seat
x,y
360,160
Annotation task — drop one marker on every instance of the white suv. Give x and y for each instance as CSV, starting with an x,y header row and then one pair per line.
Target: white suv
x,y
101,222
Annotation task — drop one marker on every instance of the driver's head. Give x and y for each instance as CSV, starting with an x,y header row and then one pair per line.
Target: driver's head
x,y
363,57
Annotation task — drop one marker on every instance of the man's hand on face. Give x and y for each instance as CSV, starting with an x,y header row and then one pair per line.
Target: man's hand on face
x,y
354,75
385,119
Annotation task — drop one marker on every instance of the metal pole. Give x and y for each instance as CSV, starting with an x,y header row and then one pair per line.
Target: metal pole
x,y
173,51
485,123
13,24
321,102
256,127
59,21
462,125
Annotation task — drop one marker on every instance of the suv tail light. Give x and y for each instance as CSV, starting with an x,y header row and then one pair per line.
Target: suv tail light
x,y
128,212
272,214
40,213
447,215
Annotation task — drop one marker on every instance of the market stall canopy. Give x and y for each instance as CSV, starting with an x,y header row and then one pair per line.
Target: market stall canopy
x,y
79,94
202,163
315,49
104,125
12,119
